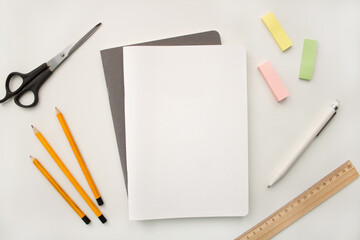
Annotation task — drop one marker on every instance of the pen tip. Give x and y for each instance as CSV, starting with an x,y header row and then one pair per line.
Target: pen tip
x,y
97,25
268,186
335,104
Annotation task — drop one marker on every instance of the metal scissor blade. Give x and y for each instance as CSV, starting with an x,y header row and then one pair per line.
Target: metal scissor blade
x,y
64,54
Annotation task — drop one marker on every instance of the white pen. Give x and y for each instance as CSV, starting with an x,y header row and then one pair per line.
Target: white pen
x,y
299,148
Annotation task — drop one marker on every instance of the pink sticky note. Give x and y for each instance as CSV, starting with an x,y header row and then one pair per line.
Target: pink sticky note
x,y
273,80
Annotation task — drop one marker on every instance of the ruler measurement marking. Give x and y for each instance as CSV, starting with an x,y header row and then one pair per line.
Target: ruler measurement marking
x,y
303,203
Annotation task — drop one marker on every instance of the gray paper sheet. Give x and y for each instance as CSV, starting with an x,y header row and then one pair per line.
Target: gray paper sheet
x,y
112,60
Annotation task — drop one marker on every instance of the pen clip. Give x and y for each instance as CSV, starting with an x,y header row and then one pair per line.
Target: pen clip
x,y
325,124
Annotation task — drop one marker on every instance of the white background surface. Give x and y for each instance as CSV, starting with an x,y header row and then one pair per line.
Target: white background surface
x,y
32,32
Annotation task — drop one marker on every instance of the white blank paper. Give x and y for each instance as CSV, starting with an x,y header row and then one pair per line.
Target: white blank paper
x,y
186,131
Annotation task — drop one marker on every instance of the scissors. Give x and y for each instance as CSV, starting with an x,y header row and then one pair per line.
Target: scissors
x,y
32,81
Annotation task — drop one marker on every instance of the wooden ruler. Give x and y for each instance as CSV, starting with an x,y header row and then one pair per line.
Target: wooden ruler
x,y
302,204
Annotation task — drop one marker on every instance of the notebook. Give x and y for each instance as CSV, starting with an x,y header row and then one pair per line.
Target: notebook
x,y
186,131
112,60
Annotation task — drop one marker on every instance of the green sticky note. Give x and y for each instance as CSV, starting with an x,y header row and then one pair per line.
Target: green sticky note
x,y
308,59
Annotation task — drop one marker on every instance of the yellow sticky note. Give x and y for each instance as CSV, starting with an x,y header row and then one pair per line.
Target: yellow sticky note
x,y
277,31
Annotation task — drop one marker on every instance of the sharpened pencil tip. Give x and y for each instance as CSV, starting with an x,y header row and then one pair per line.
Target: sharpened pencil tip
x,y
35,130
57,111
32,158
268,186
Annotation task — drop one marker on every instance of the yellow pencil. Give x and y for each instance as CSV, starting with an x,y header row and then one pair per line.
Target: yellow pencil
x,y
60,190
78,156
68,174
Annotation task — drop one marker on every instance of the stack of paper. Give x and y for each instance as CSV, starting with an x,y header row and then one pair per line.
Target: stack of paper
x,y
186,131
112,60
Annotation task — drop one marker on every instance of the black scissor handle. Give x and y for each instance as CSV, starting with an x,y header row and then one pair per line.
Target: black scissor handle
x,y
34,87
26,78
